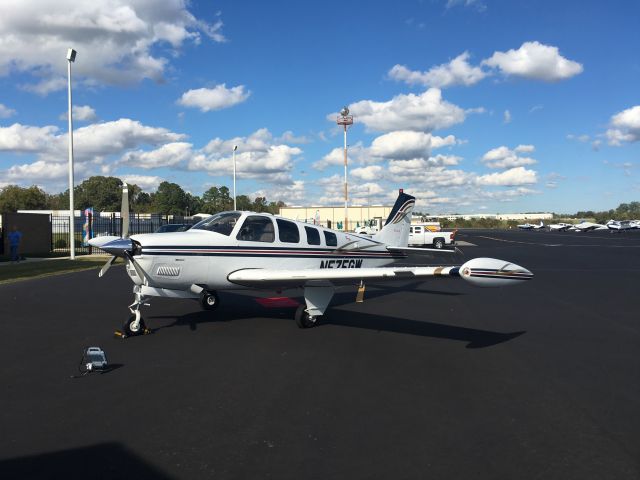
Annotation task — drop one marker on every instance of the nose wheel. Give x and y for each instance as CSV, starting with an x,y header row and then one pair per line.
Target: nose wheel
x,y
135,325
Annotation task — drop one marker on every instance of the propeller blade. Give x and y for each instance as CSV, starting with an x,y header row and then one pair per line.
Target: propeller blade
x,y
124,211
106,266
138,268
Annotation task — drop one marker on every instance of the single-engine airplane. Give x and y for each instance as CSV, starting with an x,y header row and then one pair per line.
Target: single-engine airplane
x,y
560,227
531,226
246,250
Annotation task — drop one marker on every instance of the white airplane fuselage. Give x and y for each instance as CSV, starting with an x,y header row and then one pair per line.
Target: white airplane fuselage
x,y
176,261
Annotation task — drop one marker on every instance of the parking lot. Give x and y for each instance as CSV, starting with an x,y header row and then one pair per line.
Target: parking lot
x,y
432,379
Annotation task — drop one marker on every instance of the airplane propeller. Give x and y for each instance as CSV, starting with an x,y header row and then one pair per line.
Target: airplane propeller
x,y
119,246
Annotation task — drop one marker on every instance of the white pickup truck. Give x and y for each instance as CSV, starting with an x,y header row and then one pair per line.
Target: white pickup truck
x,y
421,236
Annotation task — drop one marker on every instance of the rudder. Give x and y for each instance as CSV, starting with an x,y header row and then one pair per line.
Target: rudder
x,y
395,232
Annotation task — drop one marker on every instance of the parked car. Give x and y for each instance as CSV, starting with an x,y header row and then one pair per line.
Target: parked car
x,y
174,227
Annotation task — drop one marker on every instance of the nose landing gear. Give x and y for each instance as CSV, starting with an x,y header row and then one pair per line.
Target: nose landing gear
x,y
135,323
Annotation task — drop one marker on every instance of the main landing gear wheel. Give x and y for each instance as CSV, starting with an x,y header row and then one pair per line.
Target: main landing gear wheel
x,y
303,319
132,328
209,300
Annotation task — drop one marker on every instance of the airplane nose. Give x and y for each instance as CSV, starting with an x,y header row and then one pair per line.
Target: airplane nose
x,y
491,272
117,247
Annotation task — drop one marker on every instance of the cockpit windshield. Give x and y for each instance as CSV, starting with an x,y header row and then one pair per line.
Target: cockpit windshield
x,y
220,223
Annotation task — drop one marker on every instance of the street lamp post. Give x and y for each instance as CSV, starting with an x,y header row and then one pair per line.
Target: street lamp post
x,y
71,57
345,120
235,147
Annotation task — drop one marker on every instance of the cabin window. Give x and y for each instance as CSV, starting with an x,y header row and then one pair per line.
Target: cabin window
x,y
313,236
220,223
330,239
288,231
418,230
257,228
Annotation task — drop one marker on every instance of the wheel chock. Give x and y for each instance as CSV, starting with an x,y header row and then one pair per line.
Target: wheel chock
x,y
119,334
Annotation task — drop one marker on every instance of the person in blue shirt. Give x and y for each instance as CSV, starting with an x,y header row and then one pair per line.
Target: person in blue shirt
x,y
15,237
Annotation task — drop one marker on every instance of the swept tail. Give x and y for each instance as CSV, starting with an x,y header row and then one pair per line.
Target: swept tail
x,y
395,232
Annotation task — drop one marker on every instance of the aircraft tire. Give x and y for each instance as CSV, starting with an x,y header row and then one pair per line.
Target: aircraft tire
x,y
127,327
303,319
209,300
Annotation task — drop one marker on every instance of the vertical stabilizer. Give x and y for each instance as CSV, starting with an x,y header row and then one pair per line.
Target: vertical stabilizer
x,y
395,232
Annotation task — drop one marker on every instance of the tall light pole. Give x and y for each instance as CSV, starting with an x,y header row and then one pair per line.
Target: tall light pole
x,y
71,57
235,147
345,120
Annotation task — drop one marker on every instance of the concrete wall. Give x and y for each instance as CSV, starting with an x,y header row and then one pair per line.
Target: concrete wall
x,y
35,228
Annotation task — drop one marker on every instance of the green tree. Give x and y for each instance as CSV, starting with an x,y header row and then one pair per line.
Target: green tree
x,y
260,204
194,204
104,194
170,199
244,203
13,198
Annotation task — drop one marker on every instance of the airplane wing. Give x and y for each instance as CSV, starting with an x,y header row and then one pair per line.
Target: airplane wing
x,y
487,272
423,250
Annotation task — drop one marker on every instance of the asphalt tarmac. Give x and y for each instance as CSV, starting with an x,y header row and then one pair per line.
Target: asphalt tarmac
x,y
435,379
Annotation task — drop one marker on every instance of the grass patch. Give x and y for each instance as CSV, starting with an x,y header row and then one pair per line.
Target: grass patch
x,y
27,270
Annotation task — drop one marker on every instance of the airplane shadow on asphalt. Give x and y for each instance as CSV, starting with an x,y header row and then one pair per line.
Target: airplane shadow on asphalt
x,y
241,307
105,460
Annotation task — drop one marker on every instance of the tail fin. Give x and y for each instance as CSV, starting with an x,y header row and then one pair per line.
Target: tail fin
x,y
395,232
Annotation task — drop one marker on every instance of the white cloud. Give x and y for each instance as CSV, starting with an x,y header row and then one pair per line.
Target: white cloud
x,y
258,156
289,194
289,137
424,112
168,155
504,157
82,113
444,160
477,4
112,138
146,182
584,138
118,41
525,148
625,126
93,145
534,60
217,98
401,144
439,142
457,72
372,172
20,138
6,112
512,177
507,116
356,154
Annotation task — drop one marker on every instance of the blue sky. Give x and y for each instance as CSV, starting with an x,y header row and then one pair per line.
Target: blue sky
x,y
496,106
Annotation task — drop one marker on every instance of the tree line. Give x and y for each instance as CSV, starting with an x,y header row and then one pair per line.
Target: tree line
x,y
104,194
